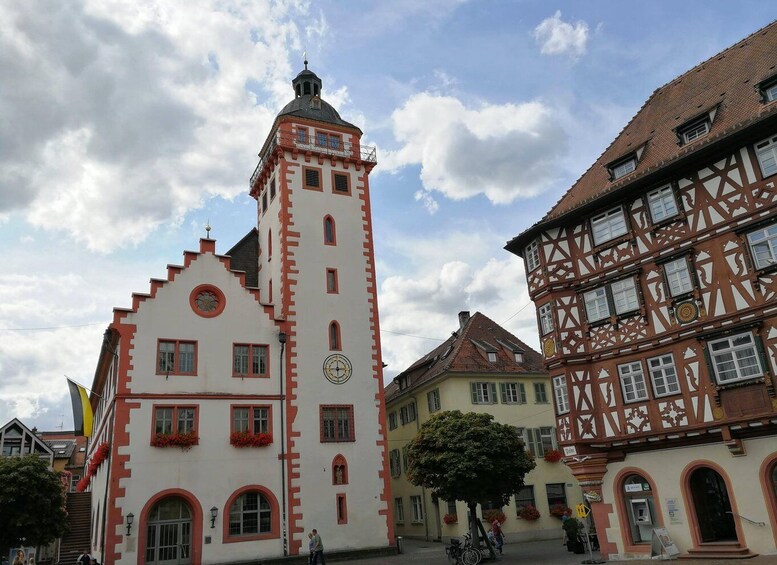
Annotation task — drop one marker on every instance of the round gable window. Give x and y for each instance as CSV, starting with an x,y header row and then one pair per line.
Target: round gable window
x,y
207,301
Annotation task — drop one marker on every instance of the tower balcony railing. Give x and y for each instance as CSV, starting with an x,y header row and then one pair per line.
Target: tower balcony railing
x,y
333,146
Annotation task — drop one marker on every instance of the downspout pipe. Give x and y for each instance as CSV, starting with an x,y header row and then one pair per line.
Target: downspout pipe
x,y
282,341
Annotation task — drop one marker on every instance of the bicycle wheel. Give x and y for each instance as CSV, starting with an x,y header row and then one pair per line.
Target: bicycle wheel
x,y
470,556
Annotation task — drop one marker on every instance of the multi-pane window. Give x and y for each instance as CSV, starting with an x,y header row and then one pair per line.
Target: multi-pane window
x,y
337,423
608,226
513,393
695,130
433,400
621,294
735,358
392,421
249,360
763,246
538,440
561,393
407,413
662,203
321,138
623,168
250,514
766,151
678,276
540,395
664,375
532,255
175,419
334,141
394,465
546,318
770,92
176,357
399,510
302,135
251,419
596,305
483,393
418,509
523,498
518,356
491,356
451,507
632,382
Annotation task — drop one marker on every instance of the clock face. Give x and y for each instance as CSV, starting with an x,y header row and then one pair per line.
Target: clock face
x,y
337,368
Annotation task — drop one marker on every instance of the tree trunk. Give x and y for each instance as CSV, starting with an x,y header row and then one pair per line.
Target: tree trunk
x,y
473,523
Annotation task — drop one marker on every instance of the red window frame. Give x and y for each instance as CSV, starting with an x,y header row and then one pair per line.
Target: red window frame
x,y
176,357
275,529
342,508
339,461
334,230
347,180
176,408
351,437
251,408
305,184
334,336
335,287
250,374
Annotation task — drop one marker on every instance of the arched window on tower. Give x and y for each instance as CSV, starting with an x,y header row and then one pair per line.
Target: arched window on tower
x,y
334,336
306,86
339,470
330,233
269,246
297,89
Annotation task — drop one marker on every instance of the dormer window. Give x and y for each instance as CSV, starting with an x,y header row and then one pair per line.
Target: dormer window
x,y
695,131
623,168
770,93
518,355
492,356
315,103
768,89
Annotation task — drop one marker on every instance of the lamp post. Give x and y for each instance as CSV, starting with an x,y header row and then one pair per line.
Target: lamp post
x,y
282,342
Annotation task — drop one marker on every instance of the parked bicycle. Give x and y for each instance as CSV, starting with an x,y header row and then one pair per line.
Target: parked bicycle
x,y
463,554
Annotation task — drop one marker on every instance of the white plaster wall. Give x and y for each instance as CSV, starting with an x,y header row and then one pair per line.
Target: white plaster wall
x,y
212,470
315,309
666,468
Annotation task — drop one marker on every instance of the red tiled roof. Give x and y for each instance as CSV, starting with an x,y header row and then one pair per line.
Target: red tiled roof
x,y
726,81
460,354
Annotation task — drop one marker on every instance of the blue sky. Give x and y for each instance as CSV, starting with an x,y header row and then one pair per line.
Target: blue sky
x,y
125,126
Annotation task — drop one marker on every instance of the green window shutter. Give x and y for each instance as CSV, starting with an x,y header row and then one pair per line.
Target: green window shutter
x,y
492,388
474,389
503,390
759,346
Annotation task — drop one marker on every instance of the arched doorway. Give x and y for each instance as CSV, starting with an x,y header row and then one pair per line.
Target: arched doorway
x,y
712,506
169,533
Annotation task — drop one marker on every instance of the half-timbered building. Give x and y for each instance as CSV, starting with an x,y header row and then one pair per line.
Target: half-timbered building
x,y
655,282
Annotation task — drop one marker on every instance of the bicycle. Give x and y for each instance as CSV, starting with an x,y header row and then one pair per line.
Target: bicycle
x,y
463,554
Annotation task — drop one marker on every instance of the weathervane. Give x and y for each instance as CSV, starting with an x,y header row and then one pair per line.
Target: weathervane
x,y
305,58
207,228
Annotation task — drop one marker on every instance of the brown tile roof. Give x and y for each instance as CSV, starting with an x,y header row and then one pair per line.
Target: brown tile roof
x,y
726,81
465,352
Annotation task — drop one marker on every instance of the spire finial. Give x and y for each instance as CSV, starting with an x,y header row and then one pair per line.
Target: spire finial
x,y
305,58
207,228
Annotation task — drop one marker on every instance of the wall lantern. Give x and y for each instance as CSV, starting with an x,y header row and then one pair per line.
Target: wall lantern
x,y
130,519
213,513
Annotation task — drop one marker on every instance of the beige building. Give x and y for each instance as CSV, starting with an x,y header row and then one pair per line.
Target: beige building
x,y
480,368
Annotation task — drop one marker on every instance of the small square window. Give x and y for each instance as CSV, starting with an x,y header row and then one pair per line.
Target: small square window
x,y
491,356
341,183
770,92
766,151
312,179
632,382
695,130
623,168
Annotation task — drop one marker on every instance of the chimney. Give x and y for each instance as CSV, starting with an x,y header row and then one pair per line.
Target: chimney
x,y
463,318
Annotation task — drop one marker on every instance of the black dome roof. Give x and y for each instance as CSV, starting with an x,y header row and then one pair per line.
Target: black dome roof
x,y
308,103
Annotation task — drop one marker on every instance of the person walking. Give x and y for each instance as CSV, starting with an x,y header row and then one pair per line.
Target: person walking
x,y
84,558
318,548
311,548
19,559
496,527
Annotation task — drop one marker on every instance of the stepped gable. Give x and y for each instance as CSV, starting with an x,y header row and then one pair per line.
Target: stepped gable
x,y
206,246
725,82
464,352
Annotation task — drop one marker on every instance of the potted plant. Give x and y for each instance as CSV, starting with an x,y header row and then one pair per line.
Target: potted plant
x,y
529,513
560,510
552,456
574,530
450,518
247,439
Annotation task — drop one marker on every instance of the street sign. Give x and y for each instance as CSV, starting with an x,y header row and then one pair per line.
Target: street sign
x,y
582,510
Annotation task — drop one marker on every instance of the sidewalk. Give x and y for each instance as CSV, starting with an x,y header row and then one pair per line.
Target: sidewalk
x,y
527,553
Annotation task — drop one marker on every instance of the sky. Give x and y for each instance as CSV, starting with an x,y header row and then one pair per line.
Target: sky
x,y
126,126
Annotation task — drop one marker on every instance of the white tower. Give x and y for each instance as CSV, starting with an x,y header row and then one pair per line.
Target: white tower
x,y
317,270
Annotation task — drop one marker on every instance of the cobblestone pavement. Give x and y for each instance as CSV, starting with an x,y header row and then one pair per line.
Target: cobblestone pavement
x,y
529,553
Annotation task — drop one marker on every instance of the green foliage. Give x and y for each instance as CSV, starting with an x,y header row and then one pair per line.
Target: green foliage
x,y
32,502
468,457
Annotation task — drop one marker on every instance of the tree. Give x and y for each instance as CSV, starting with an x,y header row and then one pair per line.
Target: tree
x,y
32,502
468,457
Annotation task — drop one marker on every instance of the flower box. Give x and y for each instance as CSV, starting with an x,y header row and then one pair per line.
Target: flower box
x,y
184,441
490,515
450,518
529,512
83,484
552,456
247,439
560,510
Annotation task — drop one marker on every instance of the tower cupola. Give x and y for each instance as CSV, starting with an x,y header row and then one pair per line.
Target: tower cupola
x,y
306,83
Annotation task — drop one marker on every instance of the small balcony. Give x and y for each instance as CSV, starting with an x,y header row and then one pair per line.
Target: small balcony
x,y
342,149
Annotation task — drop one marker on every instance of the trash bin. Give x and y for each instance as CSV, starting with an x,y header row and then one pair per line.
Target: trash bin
x,y
400,544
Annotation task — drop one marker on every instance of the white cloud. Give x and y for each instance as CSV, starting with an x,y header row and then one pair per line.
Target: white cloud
x,y
137,112
426,198
503,151
448,274
557,37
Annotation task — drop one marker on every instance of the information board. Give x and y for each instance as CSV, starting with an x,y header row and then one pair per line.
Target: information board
x,y
662,544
